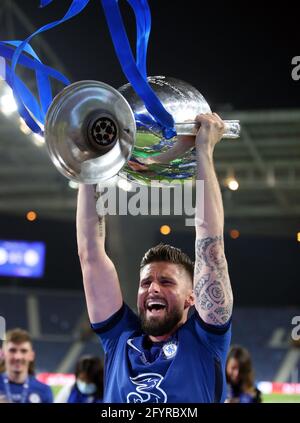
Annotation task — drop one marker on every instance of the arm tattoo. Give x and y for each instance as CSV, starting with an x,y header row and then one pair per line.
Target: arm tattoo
x,y
210,254
213,319
223,312
212,286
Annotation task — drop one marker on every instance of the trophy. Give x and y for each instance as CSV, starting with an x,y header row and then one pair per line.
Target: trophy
x,y
94,132
144,131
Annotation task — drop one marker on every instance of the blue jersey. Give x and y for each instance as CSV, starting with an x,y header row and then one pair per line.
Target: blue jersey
x,y
235,394
187,368
77,397
32,391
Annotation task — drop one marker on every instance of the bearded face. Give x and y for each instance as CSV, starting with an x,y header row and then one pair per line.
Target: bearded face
x,y
157,320
164,296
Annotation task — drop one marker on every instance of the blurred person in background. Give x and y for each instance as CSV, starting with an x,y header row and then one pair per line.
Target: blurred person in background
x,y
2,369
88,387
240,377
2,365
17,381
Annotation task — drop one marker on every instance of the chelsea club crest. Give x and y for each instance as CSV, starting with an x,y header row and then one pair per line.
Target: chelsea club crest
x,y
170,349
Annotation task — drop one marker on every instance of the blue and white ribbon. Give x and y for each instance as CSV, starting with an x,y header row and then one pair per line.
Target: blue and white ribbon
x,y
34,111
30,109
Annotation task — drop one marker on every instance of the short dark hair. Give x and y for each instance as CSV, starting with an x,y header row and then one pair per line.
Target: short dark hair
x,y
164,252
18,336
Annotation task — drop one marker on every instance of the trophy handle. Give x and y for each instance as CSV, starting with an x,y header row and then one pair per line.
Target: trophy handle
x,y
232,128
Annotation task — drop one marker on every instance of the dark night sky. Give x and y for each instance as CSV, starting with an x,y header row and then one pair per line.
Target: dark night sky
x,y
236,53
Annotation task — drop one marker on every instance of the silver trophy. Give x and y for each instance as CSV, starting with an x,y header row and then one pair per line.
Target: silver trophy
x,y
94,132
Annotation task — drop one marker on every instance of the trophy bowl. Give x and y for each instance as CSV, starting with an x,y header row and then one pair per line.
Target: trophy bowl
x,y
94,132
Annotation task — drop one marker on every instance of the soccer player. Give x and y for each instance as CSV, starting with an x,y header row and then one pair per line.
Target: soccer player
x,y
161,355
17,383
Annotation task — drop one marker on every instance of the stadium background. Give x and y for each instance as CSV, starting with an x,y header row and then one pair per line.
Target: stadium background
x,y
241,62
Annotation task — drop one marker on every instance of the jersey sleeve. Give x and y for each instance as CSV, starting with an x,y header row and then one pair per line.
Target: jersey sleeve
x,y
216,338
119,325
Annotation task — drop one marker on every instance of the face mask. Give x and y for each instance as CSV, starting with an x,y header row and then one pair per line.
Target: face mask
x,y
86,388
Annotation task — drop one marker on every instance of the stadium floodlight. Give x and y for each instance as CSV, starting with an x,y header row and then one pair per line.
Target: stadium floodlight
x,y
8,104
232,184
38,140
73,184
24,128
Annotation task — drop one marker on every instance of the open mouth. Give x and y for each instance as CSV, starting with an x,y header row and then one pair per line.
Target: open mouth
x,y
156,306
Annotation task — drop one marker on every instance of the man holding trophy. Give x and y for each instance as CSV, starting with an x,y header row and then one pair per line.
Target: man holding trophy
x,y
161,355
146,130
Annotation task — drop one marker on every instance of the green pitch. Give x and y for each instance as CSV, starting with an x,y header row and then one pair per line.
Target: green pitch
x,y
281,398
55,390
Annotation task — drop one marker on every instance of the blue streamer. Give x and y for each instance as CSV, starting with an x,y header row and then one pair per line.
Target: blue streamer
x,y
43,82
8,52
135,69
143,28
30,109
136,72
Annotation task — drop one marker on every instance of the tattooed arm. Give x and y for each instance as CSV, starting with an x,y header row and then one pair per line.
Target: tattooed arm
x,y
212,287
100,279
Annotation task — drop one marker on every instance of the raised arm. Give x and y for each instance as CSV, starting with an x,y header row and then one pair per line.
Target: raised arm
x,y
100,279
212,287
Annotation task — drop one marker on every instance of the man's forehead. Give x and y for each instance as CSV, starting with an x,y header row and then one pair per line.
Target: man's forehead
x,y
162,267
